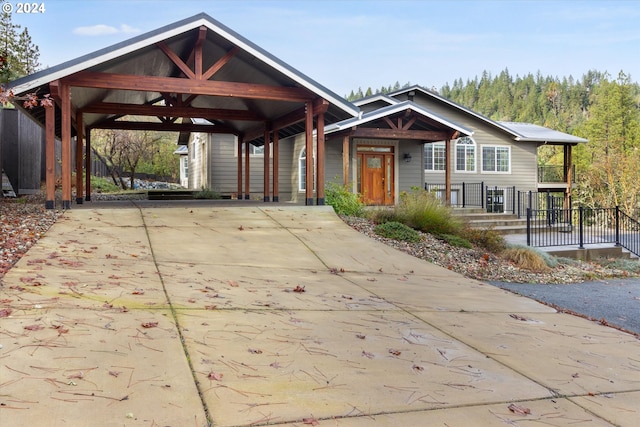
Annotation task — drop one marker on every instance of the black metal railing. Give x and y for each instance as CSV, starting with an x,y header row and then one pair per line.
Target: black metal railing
x,y
464,195
582,226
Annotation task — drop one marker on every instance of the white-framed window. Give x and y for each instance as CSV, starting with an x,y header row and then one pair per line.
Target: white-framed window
x,y
302,171
254,150
185,166
434,157
496,158
465,155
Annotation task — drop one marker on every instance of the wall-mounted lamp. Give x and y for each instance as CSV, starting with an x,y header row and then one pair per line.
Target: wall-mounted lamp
x,y
407,157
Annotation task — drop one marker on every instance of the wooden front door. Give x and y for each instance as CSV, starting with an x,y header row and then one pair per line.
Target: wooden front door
x,y
376,175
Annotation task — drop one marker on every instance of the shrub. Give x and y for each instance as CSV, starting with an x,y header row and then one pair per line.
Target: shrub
x,y
382,215
455,240
422,211
206,193
525,257
343,201
487,238
397,231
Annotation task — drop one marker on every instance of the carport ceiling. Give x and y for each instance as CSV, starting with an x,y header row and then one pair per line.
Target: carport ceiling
x,y
195,68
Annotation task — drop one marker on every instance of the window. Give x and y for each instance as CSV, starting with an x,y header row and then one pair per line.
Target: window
x,y
465,155
185,166
302,171
496,159
434,156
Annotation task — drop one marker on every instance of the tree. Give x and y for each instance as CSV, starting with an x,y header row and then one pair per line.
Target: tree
x,y
8,42
27,54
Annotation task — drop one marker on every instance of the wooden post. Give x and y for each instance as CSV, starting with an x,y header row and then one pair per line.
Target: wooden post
x,y
309,151
50,156
345,160
568,173
276,167
239,195
247,176
447,172
87,166
79,155
267,147
65,105
320,159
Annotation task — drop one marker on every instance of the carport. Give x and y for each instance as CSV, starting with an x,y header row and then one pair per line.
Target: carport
x,y
194,68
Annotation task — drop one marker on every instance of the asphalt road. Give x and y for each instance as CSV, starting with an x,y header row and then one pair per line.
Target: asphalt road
x,y
617,301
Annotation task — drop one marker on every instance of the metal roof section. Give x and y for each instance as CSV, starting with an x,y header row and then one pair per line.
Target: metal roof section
x,y
535,133
379,97
183,150
394,109
28,83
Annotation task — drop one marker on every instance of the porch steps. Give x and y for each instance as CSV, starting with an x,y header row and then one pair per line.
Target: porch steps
x,y
499,222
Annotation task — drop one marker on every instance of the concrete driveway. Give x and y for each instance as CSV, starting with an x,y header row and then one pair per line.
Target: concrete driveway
x,y
195,314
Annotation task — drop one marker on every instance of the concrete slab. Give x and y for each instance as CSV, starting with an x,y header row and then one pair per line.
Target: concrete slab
x,y
621,409
276,366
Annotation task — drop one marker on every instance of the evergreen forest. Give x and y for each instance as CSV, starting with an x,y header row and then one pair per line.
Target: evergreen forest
x,y
602,108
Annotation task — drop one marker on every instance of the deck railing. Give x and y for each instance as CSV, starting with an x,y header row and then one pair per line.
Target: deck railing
x,y
582,226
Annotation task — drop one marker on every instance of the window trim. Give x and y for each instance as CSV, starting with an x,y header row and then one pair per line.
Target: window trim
x,y
435,144
302,160
473,146
506,147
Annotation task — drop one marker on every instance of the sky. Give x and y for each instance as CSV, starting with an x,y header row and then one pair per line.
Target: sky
x,y
349,44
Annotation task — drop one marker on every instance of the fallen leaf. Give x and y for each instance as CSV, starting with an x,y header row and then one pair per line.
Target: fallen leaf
x,y
518,317
114,373
138,291
150,324
299,289
241,228
5,312
395,352
215,376
233,283
517,409
367,354
310,421
360,336
34,327
255,351
417,368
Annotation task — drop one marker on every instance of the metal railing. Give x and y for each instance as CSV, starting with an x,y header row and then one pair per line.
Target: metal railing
x,y
582,226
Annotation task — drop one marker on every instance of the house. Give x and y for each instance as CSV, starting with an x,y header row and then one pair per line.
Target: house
x,y
399,141
257,128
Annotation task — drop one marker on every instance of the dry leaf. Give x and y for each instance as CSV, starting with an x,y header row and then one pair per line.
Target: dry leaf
x,y
114,373
299,289
5,312
517,409
395,352
255,351
215,376
150,324
138,291
310,421
518,317
367,354
34,327
233,283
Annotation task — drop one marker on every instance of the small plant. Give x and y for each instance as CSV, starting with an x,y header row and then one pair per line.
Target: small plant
x,y
343,201
206,193
382,215
421,210
397,231
455,240
488,239
525,257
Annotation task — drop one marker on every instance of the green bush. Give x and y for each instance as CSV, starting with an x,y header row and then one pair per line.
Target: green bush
x,y
422,211
381,215
455,240
397,231
343,201
487,238
104,185
206,193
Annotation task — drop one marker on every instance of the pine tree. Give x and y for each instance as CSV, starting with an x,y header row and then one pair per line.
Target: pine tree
x,y
27,54
8,41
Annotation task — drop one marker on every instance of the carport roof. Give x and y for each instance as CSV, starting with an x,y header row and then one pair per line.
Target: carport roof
x,y
245,85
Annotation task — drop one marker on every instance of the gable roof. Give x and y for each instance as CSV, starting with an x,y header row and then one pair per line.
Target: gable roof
x,y
396,108
524,132
143,55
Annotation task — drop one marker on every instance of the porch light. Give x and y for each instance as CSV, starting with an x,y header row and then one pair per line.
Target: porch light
x,y
407,157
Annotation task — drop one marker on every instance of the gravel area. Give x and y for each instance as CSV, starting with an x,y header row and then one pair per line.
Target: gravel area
x,y
478,264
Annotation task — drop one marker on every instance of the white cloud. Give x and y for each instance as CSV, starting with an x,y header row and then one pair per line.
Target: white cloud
x,y
104,30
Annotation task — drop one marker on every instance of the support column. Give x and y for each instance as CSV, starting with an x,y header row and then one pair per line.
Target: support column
x,y
65,105
87,166
345,160
320,159
50,156
568,173
239,195
267,147
276,167
79,155
247,176
309,150
447,172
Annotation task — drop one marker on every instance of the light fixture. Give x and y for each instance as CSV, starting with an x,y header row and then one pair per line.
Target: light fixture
x,y
407,157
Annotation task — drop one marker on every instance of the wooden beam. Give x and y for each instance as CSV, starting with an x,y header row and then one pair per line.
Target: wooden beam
x,y
220,63
50,156
164,127
176,60
87,166
424,135
291,118
345,159
266,157
65,101
240,141
79,155
197,51
179,85
276,166
320,159
388,121
409,123
309,154
247,172
170,111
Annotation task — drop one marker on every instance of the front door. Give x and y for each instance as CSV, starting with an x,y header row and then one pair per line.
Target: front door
x,y
375,173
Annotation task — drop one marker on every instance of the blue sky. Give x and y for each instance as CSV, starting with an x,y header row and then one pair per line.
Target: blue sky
x,y
348,44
